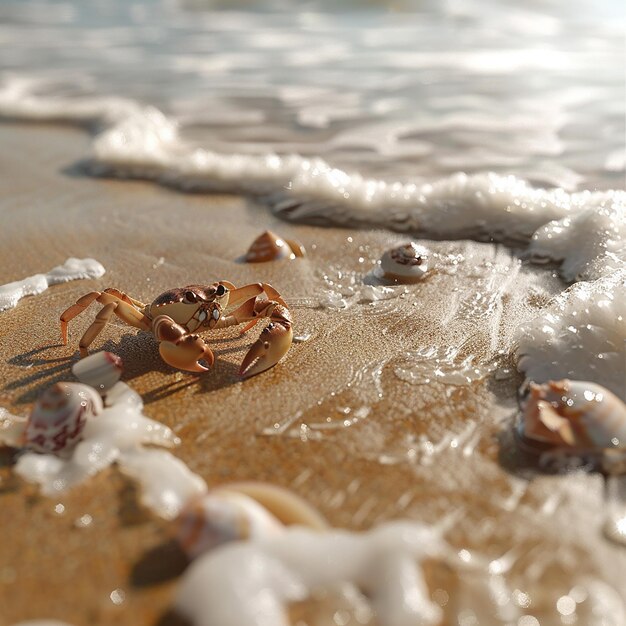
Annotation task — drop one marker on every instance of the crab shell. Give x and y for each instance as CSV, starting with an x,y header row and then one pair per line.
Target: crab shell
x,y
100,370
270,247
59,416
193,306
241,511
573,414
405,264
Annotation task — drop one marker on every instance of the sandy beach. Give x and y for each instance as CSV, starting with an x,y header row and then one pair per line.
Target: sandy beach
x,y
94,556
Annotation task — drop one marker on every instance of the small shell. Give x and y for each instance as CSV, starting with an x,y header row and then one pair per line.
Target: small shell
x,y
100,370
270,247
59,416
218,518
576,415
405,264
241,511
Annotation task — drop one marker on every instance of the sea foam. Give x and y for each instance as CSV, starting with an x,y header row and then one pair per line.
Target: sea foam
x,y
72,269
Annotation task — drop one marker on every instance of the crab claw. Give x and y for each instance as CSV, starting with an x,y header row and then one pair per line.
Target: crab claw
x,y
187,353
271,346
179,349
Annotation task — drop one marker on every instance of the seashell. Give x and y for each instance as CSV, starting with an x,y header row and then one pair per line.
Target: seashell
x,y
218,518
405,264
573,414
100,370
58,418
270,247
241,511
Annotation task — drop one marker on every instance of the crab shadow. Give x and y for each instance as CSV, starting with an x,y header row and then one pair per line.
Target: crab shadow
x,y
58,370
140,354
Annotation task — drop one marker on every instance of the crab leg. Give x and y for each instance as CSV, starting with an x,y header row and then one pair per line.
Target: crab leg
x,y
123,308
245,293
127,311
180,349
124,311
123,296
274,341
252,309
102,319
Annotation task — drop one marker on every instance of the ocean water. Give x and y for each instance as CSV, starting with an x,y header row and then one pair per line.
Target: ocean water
x,y
406,90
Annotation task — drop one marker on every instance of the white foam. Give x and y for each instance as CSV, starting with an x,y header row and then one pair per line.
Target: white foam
x,y
580,335
252,583
590,244
72,269
119,434
501,207
141,141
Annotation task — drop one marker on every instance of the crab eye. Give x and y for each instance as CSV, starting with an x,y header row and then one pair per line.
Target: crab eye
x,y
221,290
190,296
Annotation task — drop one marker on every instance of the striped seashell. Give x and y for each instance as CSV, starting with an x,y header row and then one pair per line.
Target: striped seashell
x,y
240,511
574,414
100,370
57,420
405,264
270,247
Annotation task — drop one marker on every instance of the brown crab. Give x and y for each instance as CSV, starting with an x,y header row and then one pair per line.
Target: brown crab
x,y
176,315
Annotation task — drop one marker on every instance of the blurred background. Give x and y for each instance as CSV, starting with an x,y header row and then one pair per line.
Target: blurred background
x,y
412,89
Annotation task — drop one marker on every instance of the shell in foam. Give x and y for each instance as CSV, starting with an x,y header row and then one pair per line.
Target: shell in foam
x,y
574,415
407,263
269,246
100,370
240,511
59,416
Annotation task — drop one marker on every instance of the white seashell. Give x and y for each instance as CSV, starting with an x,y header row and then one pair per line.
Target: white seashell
x,y
284,504
12,429
59,416
270,247
241,511
574,414
100,370
405,264
217,518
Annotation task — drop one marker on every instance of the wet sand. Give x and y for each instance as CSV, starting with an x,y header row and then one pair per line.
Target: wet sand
x,y
116,565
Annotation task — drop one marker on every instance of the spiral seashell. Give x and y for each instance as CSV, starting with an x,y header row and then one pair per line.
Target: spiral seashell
x,y
405,264
574,414
270,247
57,420
100,370
240,511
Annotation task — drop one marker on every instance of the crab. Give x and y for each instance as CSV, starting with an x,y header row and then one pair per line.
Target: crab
x,y
176,316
